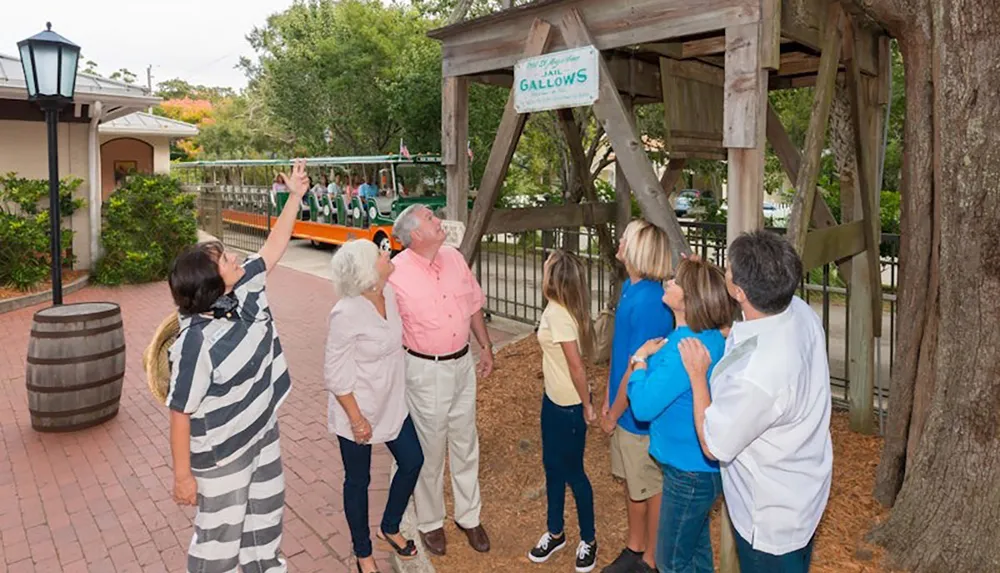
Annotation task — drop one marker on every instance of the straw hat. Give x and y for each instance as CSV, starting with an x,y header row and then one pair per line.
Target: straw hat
x,y
155,360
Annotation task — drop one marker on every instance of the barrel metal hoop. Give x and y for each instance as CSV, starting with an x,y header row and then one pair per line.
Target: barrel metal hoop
x,y
80,317
74,333
78,411
75,359
74,427
75,387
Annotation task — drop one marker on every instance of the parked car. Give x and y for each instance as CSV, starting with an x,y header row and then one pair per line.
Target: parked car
x,y
687,201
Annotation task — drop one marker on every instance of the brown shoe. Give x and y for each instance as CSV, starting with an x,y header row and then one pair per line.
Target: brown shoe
x,y
434,541
477,538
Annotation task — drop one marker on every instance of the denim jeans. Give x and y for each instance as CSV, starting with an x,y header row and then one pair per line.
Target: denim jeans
x,y
564,436
357,475
683,544
754,561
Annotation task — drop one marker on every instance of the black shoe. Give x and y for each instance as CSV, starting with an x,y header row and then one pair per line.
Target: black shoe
x,y
586,556
624,563
546,546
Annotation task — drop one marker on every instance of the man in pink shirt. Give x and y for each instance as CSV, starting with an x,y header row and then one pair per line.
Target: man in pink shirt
x,y
440,302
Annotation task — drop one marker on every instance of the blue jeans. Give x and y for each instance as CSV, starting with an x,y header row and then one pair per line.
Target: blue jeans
x,y
357,475
754,561
564,436
683,544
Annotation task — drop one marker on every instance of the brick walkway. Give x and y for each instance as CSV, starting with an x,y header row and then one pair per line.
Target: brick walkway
x,y
99,500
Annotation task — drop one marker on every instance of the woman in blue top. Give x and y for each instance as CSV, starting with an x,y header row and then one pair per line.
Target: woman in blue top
x,y
641,315
659,392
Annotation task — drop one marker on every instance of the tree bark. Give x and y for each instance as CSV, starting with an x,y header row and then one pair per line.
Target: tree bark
x,y
942,448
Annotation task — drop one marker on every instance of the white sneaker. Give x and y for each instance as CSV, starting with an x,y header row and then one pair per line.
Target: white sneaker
x,y
546,546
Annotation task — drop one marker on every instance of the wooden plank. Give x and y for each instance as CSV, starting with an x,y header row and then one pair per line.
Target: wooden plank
x,y
623,193
745,123
833,244
704,47
578,161
493,43
805,183
455,140
692,111
550,217
770,34
865,154
628,147
742,124
508,133
694,70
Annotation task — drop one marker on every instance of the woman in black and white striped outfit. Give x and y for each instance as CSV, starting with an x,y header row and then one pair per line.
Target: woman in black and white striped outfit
x,y
228,377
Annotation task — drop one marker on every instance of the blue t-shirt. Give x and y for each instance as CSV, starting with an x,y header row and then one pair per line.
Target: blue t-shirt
x,y
661,393
367,190
641,316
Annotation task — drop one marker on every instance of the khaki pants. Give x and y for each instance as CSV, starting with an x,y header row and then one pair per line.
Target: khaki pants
x,y
441,397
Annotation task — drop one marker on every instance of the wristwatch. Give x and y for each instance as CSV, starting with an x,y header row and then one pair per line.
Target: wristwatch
x,y
636,360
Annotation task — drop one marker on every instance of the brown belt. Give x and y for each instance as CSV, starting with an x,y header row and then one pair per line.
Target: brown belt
x,y
441,358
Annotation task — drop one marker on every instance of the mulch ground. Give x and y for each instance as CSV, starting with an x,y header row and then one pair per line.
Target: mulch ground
x,y
68,276
513,481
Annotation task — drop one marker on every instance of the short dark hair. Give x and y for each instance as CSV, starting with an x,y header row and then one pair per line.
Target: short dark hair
x,y
195,282
767,268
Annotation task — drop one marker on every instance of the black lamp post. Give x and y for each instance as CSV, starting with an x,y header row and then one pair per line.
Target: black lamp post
x,y
49,62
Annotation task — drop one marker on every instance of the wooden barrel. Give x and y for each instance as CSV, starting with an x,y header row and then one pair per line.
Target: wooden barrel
x,y
76,364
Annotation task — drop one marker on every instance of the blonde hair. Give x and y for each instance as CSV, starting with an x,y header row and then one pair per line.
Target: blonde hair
x,y
647,250
707,304
566,284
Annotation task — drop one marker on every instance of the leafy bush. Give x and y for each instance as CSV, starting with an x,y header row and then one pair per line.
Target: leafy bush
x,y
147,223
25,257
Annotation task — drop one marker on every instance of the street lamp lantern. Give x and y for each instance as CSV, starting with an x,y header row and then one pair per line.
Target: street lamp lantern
x,y
50,62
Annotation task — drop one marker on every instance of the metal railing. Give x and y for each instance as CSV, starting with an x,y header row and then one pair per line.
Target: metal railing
x,y
509,268
253,203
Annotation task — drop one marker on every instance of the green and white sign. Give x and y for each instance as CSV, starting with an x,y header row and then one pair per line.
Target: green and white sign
x,y
557,80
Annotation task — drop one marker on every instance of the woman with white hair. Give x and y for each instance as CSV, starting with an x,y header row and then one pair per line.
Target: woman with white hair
x,y
365,374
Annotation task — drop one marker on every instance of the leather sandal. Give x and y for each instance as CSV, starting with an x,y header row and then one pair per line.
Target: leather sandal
x,y
408,551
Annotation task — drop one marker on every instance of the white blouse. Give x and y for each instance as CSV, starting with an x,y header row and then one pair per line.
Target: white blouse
x,y
365,356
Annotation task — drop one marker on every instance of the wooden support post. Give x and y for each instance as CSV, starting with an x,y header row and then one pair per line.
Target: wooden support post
x,y
628,147
623,193
826,82
744,129
788,156
578,160
454,142
509,131
770,34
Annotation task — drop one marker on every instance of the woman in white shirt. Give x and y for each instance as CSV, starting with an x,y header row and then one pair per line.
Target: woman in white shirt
x,y
366,376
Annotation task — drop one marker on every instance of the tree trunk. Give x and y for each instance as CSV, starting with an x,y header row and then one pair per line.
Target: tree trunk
x,y
942,449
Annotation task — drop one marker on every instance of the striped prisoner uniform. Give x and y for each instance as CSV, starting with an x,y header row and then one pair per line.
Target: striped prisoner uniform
x,y
230,376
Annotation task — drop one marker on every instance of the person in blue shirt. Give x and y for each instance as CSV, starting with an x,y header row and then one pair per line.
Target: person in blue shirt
x,y
367,190
641,315
660,392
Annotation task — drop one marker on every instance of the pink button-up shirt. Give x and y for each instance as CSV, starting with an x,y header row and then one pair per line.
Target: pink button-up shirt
x,y
436,300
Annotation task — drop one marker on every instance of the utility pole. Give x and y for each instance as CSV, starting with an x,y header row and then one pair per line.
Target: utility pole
x,y
149,83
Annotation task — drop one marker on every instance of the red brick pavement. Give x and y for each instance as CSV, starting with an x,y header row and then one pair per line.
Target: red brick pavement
x,y
99,501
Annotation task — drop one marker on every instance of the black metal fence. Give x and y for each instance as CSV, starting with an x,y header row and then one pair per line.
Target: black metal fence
x,y
509,268
251,205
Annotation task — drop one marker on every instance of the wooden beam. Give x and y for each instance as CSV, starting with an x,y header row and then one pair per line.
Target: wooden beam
x,y
865,153
833,244
551,217
454,142
493,43
770,34
694,70
623,193
805,183
672,174
628,147
743,125
508,133
744,132
578,161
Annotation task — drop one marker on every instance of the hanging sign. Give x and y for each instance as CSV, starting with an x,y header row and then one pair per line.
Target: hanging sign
x,y
557,80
